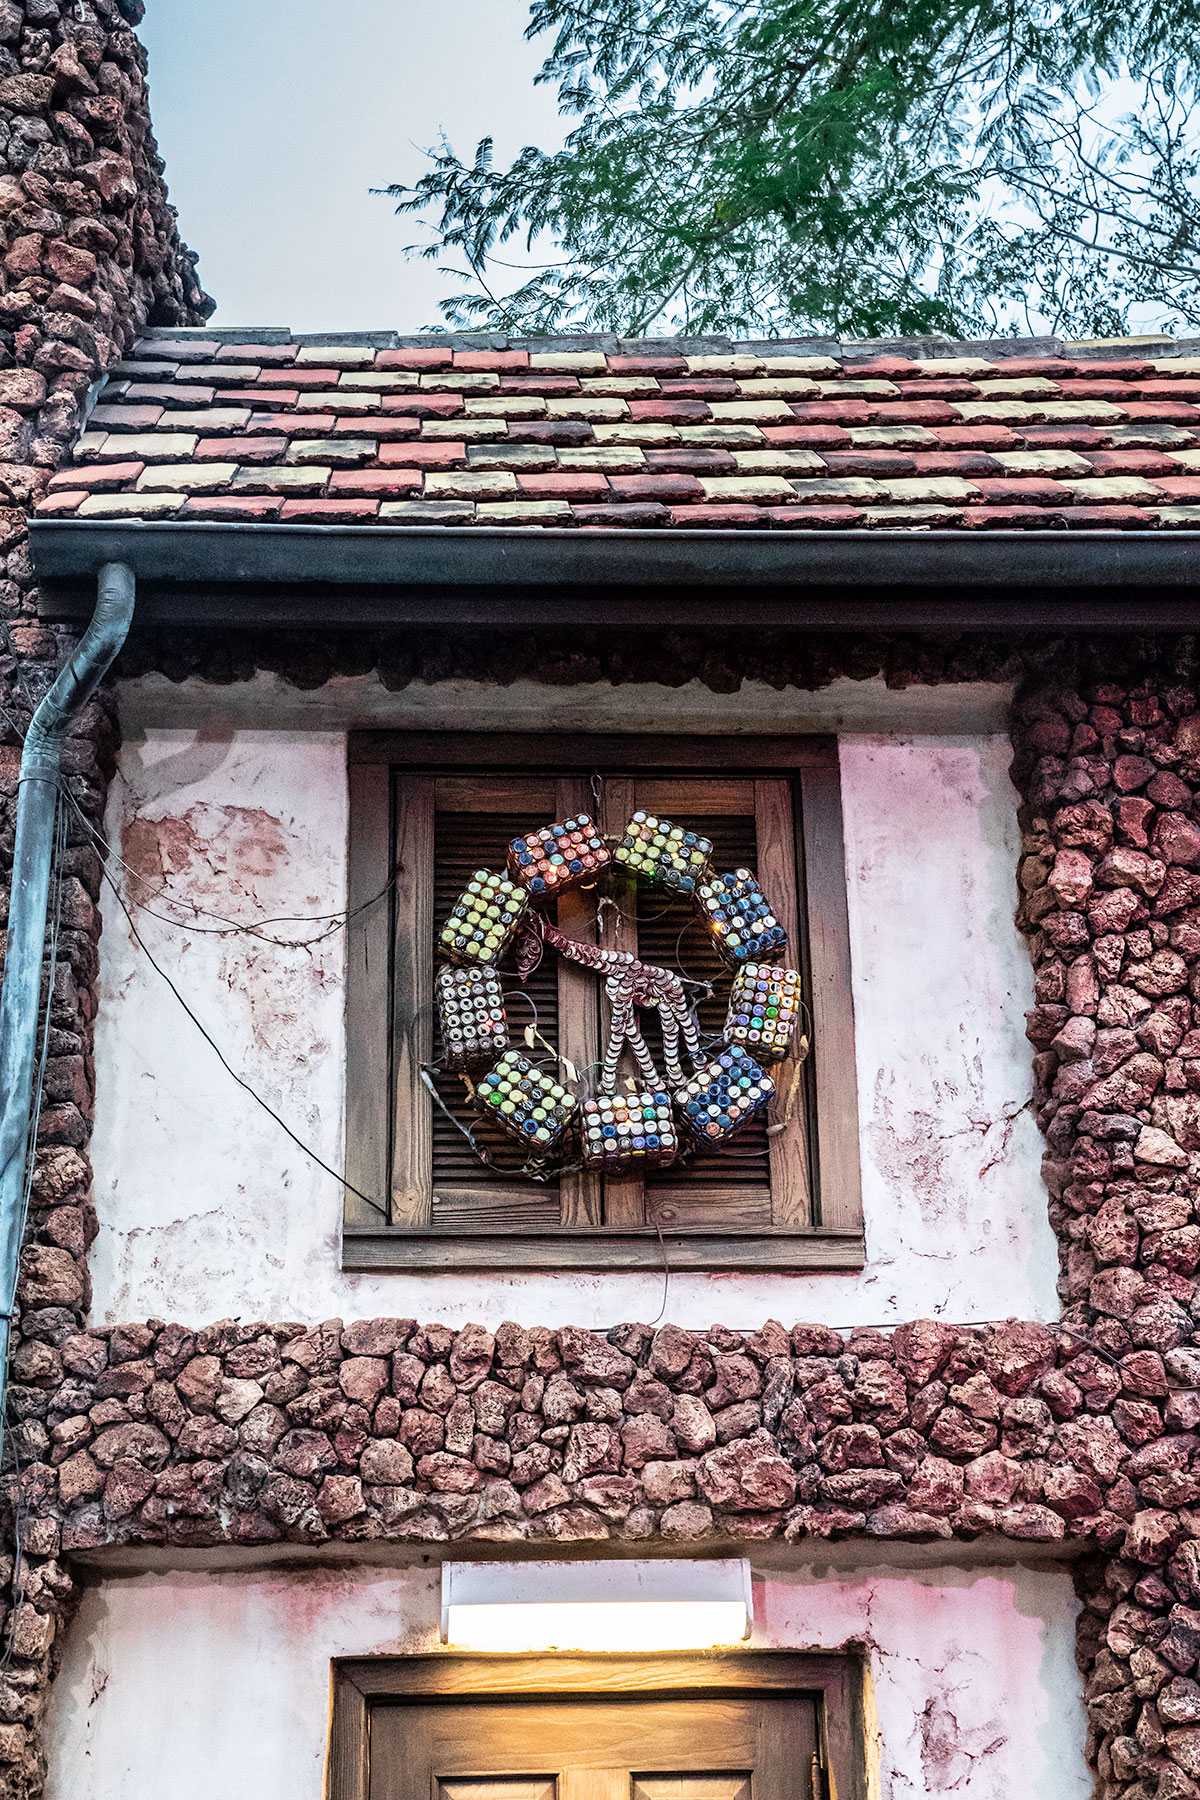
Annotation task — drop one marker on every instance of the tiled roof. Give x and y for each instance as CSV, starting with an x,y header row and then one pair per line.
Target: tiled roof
x,y
374,429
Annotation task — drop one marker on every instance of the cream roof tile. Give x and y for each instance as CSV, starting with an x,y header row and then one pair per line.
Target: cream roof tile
x,y
777,462
637,431
766,412
613,459
747,487
585,406
904,436
459,381
569,362
1042,462
188,478
910,518
968,366
783,387
1025,387
845,487
389,381
143,446
722,436
505,406
130,506
723,365
468,430
210,418
859,390
345,400
626,387
522,512
931,488
1094,412
800,365
334,356
1115,488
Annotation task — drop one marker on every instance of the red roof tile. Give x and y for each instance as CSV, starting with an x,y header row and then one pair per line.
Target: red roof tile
x,y
564,485
384,484
670,435
491,359
243,508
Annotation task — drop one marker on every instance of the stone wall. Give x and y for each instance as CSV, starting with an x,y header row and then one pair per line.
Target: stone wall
x,y
1111,902
89,253
260,1433
284,1432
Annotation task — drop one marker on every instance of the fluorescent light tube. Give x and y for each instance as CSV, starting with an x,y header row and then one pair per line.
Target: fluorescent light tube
x,y
615,1606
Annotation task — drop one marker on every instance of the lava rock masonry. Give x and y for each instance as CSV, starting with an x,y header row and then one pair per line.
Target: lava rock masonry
x,y
385,1429
1110,897
90,256
262,1433
268,1432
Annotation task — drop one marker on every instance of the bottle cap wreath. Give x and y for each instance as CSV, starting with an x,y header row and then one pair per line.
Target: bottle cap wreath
x,y
658,1121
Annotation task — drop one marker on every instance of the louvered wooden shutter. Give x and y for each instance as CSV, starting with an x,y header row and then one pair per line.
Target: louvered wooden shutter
x,y
425,812
474,818
450,825
756,1181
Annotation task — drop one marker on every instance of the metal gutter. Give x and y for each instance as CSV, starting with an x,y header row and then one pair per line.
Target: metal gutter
x,y
304,575
37,801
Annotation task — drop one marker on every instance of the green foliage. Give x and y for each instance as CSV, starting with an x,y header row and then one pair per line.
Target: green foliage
x,y
843,166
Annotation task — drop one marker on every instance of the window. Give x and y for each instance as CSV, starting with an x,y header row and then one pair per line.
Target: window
x,y
722,1726
433,809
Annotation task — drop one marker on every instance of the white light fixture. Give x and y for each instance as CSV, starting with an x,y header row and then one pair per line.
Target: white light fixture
x,y
644,1605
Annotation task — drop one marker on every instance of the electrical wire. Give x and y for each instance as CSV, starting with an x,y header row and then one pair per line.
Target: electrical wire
x,y
226,927
18,1538
376,1205
427,1072
58,850
8,1439
334,922
662,1244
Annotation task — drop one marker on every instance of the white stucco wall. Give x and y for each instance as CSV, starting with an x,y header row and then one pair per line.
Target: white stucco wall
x,y
207,1209
206,1687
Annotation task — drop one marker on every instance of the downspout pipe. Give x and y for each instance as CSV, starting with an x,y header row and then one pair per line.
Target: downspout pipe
x,y
37,799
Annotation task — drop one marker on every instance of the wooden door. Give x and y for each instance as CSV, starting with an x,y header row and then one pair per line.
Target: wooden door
x,y
702,1725
654,1747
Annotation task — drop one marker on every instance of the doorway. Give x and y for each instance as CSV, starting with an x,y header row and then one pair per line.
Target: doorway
x,y
754,1725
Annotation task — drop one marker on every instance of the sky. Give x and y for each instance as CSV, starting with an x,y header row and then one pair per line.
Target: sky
x,y
276,118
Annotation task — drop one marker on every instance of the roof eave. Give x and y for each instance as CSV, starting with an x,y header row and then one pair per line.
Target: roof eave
x,y
249,575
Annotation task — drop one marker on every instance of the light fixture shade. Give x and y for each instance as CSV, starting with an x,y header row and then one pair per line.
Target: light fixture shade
x,y
643,1605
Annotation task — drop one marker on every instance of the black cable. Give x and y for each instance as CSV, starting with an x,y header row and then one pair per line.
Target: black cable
x,y
18,1571
228,1067
8,1440
35,1113
428,1071
662,1244
230,927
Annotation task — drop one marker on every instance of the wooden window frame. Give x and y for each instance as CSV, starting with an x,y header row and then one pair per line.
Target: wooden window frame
x,y
383,960
838,1681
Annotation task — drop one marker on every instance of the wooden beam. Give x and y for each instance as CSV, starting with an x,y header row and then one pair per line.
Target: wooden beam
x,y
608,1248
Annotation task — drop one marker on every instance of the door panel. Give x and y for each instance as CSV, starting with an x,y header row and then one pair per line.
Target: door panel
x,y
691,1787
500,1787
656,1747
